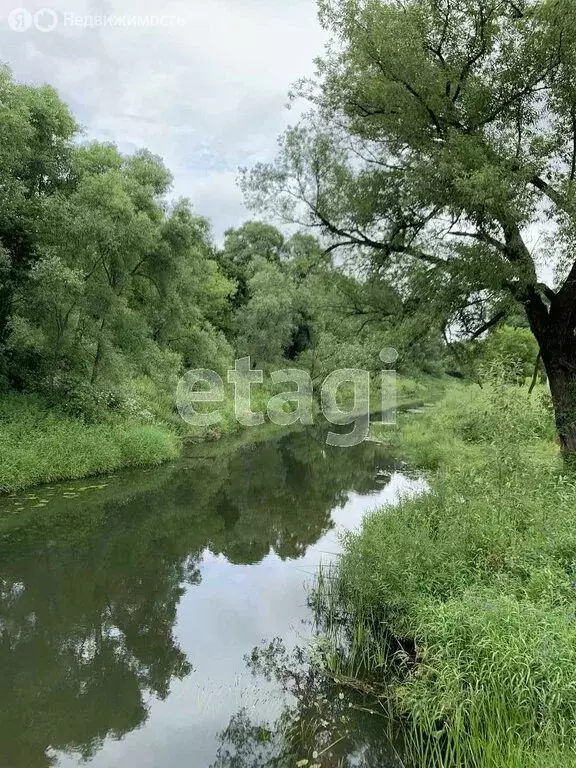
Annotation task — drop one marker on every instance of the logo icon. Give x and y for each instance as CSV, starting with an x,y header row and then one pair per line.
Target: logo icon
x,y
388,355
45,20
20,19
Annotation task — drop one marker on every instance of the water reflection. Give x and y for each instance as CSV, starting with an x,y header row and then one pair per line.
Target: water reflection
x,y
322,725
92,585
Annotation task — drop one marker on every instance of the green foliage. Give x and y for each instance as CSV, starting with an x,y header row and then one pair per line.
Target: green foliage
x,y
36,131
502,684
110,290
102,278
515,344
293,304
511,350
252,240
39,444
497,415
479,574
439,133
267,322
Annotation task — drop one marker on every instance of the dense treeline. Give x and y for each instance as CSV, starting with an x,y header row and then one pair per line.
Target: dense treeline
x,y
109,289
102,278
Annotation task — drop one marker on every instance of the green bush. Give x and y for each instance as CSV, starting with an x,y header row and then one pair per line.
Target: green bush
x,y
516,349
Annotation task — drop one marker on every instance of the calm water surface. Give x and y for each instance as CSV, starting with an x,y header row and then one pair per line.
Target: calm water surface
x,y
128,603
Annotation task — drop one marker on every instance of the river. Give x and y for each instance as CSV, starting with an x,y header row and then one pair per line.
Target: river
x,y
128,603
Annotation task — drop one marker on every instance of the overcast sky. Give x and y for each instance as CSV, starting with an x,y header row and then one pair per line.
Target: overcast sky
x,y
207,92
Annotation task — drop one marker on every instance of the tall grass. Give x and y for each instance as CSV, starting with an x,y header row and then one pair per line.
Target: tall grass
x,y
40,444
471,588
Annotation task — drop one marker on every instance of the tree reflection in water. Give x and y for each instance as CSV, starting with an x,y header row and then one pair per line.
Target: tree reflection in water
x,y
89,586
322,726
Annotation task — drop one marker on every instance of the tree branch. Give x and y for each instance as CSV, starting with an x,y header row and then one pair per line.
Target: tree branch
x,y
551,193
548,292
489,324
483,237
535,374
411,90
334,246
363,240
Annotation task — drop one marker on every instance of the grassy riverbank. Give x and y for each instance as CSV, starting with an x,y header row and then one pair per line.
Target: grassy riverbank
x,y
40,444
477,580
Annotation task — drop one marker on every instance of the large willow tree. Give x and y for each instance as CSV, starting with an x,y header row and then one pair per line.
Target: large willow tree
x,y
442,141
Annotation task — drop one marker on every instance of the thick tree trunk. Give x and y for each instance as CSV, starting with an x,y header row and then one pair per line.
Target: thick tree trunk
x,y
561,370
557,344
554,326
552,318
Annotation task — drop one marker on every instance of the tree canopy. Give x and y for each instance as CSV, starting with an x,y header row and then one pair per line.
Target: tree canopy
x,y
110,288
441,143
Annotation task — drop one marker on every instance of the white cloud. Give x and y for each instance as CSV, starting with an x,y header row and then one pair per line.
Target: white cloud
x,y
208,95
